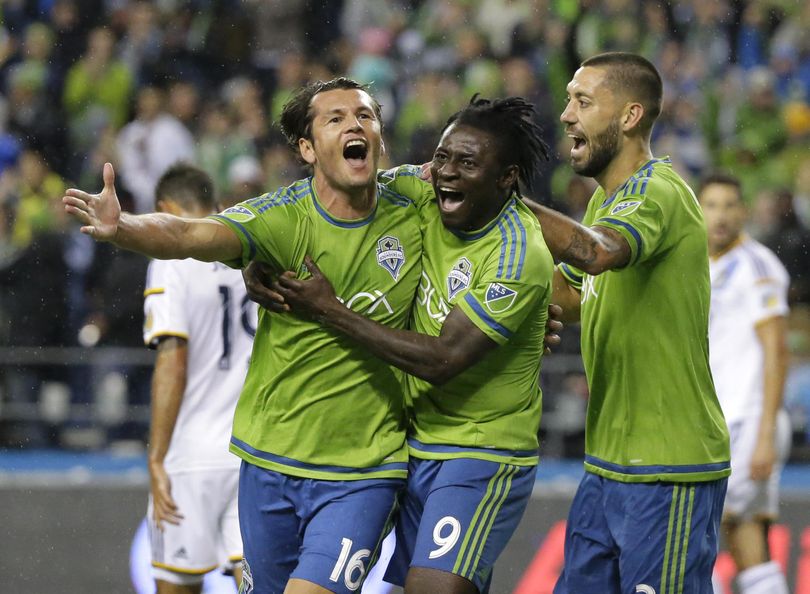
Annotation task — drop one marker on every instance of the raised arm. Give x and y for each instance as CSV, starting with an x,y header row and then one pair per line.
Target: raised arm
x,y
591,249
436,359
157,235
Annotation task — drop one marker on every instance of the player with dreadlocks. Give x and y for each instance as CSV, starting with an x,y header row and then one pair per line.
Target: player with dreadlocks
x,y
472,350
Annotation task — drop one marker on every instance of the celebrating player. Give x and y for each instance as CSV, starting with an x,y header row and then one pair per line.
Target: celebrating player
x,y
202,324
747,335
646,515
473,352
319,425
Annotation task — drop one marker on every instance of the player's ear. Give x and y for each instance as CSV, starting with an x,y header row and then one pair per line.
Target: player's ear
x,y
509,177
307,150
382,146
633,112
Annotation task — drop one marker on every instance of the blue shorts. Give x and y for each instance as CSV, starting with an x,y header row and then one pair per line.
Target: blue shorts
x,y
623,538
325,532
458,515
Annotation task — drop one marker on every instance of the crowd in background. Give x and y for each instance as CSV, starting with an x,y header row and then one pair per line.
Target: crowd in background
x,y
143,84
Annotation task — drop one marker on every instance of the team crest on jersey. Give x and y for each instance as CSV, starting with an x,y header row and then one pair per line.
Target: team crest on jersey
x,y
499,298
459,277
390,255
246,587
238,213
625,208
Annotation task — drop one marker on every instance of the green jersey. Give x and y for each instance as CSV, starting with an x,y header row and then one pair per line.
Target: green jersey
x,y
500,277
653,413
315,404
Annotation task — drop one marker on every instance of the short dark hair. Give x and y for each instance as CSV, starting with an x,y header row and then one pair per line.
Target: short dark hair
x,y
721,178
636,76
187,185
296,115
512,122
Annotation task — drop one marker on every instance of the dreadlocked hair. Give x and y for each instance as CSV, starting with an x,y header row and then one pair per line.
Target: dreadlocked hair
x,y
511,121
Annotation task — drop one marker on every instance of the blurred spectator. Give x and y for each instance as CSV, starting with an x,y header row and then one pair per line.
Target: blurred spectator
x,y
781,230
220,142
140,47
97,90
149,145
245,180
39,209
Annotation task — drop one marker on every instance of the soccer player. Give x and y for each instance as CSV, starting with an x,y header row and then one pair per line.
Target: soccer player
x,y
200,321
319,425
646,514
473,349
747,336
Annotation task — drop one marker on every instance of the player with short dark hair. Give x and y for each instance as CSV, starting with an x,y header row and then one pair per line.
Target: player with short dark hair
x,y
473,349
749,360
646,515
200,321
319,425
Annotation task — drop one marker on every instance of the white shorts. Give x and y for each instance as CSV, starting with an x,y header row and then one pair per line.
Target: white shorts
x,y
208,536
747,499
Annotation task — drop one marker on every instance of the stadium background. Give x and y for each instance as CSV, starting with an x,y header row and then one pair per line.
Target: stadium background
x,y
144,83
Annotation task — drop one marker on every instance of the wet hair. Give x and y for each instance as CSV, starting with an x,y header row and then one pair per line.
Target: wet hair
x,y
721,178
511,121
634,76
296,115
188,186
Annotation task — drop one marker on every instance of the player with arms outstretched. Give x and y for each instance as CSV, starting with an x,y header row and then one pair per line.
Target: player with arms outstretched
x,y
199,319
749,359
646,515
319,425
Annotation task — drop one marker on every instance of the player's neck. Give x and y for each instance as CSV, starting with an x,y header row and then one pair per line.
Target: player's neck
x,y
626,163
346,204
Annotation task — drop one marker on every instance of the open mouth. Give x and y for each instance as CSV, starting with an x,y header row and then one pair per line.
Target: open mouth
x,y
450,199
579,143
355,152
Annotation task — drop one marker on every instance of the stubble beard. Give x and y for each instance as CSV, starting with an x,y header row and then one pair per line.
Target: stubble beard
x,y
604,149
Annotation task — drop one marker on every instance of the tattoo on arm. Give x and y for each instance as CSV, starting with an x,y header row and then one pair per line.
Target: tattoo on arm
x,y
581,250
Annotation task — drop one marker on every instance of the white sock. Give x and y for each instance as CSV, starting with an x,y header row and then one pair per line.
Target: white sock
x,y
765,578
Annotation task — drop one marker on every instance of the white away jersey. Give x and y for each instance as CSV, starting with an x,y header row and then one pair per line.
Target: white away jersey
x,y
749,286
206,304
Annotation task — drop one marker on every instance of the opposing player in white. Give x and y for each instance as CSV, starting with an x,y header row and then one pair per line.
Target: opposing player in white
x,y
748,356
202,324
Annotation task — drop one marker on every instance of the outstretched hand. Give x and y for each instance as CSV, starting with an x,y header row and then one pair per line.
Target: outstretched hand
x,y
313,297
98,213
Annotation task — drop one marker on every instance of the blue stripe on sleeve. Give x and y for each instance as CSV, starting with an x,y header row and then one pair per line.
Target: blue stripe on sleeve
x,y
503,331
512,245
636,235
503,249
252,251
522,230
577,278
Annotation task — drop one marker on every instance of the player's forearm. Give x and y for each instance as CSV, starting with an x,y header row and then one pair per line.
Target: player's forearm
x,y
566,297
588,248
167,237
423,356
775,364
168,386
